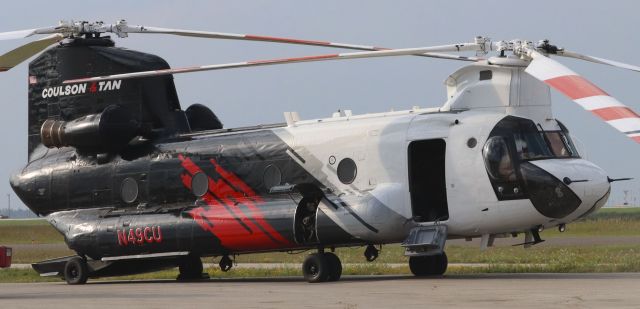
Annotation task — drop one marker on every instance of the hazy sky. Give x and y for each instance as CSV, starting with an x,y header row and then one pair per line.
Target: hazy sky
x,y
260,95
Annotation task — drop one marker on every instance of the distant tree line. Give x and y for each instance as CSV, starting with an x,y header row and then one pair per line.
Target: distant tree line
x,y
16,213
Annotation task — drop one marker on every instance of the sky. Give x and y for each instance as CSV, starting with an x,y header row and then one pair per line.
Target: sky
x,y
252,96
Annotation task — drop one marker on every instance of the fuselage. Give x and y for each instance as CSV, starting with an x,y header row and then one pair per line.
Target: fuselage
x,y
340,181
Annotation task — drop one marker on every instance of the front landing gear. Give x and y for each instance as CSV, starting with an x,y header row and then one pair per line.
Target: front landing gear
x,y
322,267
430,265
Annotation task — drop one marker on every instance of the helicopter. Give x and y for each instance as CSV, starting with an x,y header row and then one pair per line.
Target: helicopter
x,y
135,183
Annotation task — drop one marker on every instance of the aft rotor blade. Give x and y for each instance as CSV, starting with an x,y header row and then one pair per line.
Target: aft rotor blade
x,y
21,34
24,52
326,57
617,64
586,94
262,38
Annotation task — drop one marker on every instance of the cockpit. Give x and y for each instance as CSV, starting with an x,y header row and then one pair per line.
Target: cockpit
x,y
512,146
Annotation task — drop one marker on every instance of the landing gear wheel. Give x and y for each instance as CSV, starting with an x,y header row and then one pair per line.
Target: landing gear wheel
x,y
190,268
76,271
315,268
322,267
432,265
335,266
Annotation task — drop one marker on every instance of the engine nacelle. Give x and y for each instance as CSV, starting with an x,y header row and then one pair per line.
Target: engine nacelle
x,y
104,132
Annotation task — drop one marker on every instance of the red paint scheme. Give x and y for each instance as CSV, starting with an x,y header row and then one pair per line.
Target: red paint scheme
x,y
275,39
615,112
295,59
575,87
236,228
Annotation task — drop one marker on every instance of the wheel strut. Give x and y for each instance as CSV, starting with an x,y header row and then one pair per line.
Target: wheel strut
x,y
371,253
226,263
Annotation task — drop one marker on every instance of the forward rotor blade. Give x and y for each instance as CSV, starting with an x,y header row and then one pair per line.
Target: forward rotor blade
x,y
586,94
343,56
261,38
24,52
617,64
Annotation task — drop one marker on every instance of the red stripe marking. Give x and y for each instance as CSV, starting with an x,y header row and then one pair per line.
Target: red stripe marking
x,y
3,69
275,39
636,138
294,59
615,112
176,70
241,198
220,221
217,220
575,86
235,181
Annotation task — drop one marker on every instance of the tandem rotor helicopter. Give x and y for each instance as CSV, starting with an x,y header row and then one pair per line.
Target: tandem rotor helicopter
x,y
135,183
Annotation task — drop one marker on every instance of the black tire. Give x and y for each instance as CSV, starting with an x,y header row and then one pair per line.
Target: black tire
x,y
76,271
190,267
315,268
439,264
335,266
432,265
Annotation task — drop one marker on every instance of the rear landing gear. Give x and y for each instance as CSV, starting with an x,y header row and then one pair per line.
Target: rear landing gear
x,y
322,267
190,268
431,265
76,271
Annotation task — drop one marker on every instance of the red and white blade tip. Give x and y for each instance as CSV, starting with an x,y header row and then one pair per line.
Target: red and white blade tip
x,y
587,95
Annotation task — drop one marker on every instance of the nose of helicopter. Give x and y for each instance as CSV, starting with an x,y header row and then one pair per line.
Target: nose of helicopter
x,y
588,181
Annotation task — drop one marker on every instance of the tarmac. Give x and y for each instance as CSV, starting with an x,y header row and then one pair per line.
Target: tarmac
x,y
599,290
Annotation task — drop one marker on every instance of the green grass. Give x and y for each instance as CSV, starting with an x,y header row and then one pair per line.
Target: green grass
x,y
28,232
31,254
23,276
573,258
631,213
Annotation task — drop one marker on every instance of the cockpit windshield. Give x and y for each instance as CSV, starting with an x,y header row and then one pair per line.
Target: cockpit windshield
x,y
530,143
512,144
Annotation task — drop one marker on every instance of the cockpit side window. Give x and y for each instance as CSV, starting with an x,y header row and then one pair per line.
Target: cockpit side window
x,y
497,159
570,148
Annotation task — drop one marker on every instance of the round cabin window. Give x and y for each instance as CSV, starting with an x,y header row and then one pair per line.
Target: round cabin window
x,y
199,184
347,171
129,190
472,142
272,176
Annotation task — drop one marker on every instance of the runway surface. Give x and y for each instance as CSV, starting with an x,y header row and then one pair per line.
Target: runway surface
x,y
619,290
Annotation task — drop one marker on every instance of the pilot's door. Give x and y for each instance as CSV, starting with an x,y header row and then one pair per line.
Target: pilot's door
x,y
427,182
